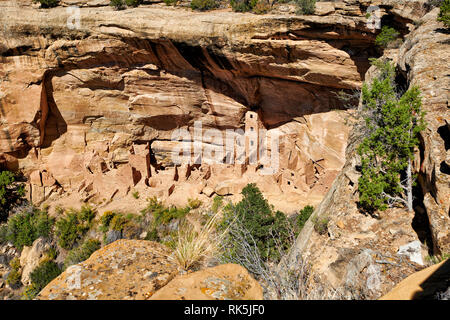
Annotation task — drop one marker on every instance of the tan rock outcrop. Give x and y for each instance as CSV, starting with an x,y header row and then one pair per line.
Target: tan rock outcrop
x,y
124,269
224,282
139,270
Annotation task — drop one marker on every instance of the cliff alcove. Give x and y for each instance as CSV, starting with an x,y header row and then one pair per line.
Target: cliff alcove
x,y
114,88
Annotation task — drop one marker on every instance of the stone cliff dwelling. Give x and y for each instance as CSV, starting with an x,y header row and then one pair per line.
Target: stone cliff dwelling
x,y
100,179
87,116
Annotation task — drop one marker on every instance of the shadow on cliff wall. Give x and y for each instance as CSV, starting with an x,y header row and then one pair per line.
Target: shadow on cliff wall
x,y
270,91
55,125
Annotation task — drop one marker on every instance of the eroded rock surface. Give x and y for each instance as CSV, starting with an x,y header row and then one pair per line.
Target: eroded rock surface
x,y
124,269
31,256
423,60
224,282
139,270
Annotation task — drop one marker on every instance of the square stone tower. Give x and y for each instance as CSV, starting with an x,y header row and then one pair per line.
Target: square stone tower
x,y
252,127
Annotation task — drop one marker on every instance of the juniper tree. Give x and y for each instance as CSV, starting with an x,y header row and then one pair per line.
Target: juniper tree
x,y
444,13
393,122
11,193
386,36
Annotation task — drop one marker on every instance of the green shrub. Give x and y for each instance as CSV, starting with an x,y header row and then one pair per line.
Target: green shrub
x,y
82,253
44,273
105,220
117,4
217,204
25,227
67,230
48,3
11,193
243,5
119,222
387,36
52,253
30,292
438,258
136,194
3,233
173,213
306,7
162,214
194,203
321,225
152,235
153,205
132,217
444,13
133,3
86,214
170,2
261,7
73,226
203,5
254,220
15,275
299,220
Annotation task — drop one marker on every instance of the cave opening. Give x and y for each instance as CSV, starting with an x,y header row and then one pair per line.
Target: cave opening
x,y
444,168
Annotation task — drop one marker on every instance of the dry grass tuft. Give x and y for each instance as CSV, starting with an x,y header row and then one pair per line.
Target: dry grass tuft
x,y
193,247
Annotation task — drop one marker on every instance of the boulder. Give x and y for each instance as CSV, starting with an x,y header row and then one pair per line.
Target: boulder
x,y
229,187
208,191
224,282
122,270
324,8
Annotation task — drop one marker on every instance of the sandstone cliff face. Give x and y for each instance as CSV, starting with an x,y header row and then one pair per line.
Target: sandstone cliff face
x,y
361,255
77,100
